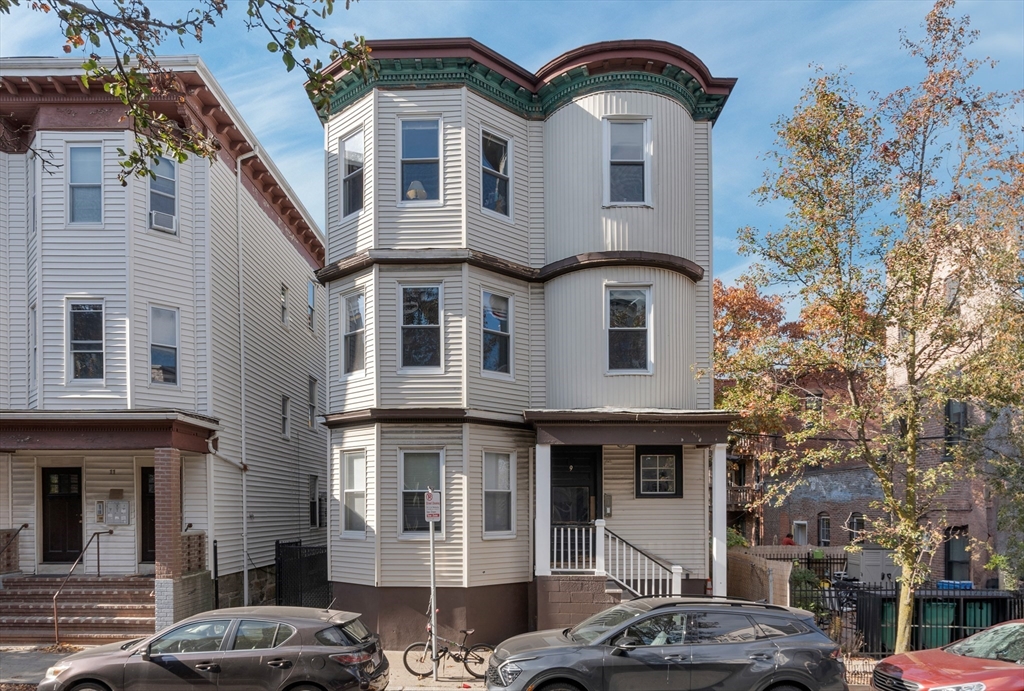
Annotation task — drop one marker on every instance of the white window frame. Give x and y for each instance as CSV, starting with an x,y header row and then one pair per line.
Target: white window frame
x,y
286,417
313,490
439,532
608,288
402,368
607,158
70,185
402,201
70,368
314,392
345,490
311,306
33,344
510,156
176,346
173,230
343,177
796,533
491,374
824,519
285,316
498,534
345,332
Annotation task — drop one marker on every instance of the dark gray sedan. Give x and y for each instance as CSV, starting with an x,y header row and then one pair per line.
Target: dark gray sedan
x,y
241,649
674,644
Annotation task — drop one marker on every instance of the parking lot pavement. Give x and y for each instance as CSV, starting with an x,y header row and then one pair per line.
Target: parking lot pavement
x,y
450,676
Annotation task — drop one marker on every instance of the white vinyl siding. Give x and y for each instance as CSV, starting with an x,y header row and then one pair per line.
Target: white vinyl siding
x,y
353,496
355,390
492,390
348,234
353,556
703,316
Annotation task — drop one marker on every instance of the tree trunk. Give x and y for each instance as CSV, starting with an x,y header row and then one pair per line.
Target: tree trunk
x,y
904,617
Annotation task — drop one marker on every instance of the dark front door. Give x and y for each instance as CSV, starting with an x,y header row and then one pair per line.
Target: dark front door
x,y
575,484
147,517
62,514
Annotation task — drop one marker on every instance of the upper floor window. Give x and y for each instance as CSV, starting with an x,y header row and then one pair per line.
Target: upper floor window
x,y
314,502
814,400
33,348
824,530
86,327
284,304
421,160
286,422
956,426
163,196
628,342
353,512
855,525
627,162
352,174
495,183
163,345
499,492
353,342
85,182
659,472
311,305
421,326
421,470
314,385
497,333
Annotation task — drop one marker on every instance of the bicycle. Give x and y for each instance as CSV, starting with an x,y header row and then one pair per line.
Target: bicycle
x,y
419,659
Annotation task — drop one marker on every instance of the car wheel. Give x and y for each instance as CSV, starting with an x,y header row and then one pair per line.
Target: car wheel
x,y
560,686
418,659
477,659
784,687
305,687
90,686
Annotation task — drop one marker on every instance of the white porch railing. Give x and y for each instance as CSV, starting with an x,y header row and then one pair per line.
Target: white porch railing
x,y
592,548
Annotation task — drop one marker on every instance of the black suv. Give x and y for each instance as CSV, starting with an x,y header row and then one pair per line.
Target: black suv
x,y
675,644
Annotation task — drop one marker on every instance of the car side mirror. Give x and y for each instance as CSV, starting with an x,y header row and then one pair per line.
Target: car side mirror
x,y
145,655
624,644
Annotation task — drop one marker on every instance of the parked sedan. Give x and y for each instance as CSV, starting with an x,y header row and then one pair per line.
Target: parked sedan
x,y
241,649
991,660
674,644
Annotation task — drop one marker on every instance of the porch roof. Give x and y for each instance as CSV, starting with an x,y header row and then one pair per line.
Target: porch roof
x,y
610,425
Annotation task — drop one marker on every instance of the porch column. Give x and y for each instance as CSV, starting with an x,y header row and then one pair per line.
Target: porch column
x,y
167,478
718,521
542,507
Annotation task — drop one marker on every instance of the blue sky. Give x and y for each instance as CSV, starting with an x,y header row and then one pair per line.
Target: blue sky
x,y
769,45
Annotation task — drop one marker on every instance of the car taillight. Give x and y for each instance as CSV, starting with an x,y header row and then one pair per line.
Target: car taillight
x,y
351,658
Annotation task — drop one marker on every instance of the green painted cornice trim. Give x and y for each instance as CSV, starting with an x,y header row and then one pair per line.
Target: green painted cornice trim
x,y
434,73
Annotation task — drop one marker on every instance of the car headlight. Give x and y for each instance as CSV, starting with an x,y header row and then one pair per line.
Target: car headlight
x,y
56,670
973,686
509,672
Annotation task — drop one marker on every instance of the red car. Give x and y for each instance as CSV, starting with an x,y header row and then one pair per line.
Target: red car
x,y
991,660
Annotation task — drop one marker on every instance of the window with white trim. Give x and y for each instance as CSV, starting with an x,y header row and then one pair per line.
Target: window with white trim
x,y
33,347
286,423
314,501
627,162
421,159
284,304
421,327
628,341
495,183
499,492
311,306
352,174
353,512
163,345
163,196
824,530
855,525
421,470
353,340
497,333
86,342
85,184
314,385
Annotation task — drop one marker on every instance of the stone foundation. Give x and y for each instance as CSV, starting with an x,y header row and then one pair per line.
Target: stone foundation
x,y
262,588
564,601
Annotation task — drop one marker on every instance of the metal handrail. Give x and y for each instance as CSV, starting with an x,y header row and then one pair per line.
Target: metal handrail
x,y
56,624
13,537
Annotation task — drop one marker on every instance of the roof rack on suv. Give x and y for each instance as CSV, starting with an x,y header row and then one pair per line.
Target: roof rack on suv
x,y
720,600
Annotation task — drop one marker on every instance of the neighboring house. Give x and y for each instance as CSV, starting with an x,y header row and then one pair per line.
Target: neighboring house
x,y
162,346
519,278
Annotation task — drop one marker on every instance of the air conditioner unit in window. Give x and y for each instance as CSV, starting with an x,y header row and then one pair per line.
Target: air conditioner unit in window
x,y
162,221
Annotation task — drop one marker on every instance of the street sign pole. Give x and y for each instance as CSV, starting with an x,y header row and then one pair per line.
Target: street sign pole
x,y
432,512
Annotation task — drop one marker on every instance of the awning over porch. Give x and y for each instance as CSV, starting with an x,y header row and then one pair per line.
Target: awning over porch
x,y
647,426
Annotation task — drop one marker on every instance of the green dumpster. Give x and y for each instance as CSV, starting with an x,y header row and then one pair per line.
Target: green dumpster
x,y
888,626
977,616
937,624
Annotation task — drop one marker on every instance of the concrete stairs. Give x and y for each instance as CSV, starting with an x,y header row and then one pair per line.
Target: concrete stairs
x,y
92,610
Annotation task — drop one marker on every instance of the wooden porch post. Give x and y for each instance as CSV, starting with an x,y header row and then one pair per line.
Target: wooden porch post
x,y
718,521
542,517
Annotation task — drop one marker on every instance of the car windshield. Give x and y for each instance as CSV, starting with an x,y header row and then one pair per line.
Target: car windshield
x,y
596,626
998,643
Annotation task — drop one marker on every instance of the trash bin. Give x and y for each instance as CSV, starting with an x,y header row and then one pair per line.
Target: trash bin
x,y
977,616
888,626
936,624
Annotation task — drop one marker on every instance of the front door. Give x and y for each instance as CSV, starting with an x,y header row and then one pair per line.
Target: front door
x,y
575,484
147,516
62,514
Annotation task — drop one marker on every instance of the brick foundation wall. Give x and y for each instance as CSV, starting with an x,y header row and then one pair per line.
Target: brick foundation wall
x,y
167,476
567,600
10,558
193,546
193,594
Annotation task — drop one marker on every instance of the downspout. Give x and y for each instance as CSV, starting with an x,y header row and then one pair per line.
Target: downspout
x,y
241,368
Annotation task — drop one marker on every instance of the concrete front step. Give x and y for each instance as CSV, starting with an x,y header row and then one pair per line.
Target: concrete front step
x,y
27,636
101,582
84,609
75,594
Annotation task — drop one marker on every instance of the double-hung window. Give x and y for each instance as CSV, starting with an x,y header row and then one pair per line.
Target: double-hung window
x,y
495,183
311,306
314,385
286,422
353,513
314,501
956,427
628,337
86,327
824,530
85,182
421,159
284,304
352,174
627,162
421,326
163,345
33,348
855,526
659,472
421,470
163,196
497,333
499,492
353,341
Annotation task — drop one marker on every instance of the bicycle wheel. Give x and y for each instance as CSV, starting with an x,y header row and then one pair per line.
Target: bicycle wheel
x,y
477,659
419,659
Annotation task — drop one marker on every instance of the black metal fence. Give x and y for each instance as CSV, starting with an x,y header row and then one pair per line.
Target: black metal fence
x,y
301,574
861,617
